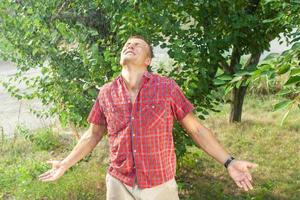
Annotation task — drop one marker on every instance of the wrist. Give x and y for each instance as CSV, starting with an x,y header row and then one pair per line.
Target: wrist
x,y
228,161
65,164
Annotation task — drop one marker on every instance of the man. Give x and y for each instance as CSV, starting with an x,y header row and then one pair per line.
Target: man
x,y
137,111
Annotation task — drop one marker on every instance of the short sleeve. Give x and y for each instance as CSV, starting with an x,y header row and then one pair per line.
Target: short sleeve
x,y
96,115
180,105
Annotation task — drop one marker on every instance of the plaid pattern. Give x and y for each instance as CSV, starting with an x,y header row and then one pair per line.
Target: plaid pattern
x,y
140,134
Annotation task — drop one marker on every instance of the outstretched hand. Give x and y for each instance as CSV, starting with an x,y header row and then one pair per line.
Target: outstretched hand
x,y
239,172
55,173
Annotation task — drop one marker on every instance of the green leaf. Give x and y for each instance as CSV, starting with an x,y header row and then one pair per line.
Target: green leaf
x,y
238,84
193,85
295,72
62,28
285,91
242,73
271,56
115,68
228,89
219,82
284,117
225,77
283,69
282,105
235,79
296,46
285,52
295,39
94,33
288,90
293,80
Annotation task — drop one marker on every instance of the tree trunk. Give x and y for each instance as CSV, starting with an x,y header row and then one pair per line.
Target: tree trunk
x,y
238,95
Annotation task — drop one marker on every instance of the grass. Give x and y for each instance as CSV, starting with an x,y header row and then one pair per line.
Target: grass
x,y
259,138
22,162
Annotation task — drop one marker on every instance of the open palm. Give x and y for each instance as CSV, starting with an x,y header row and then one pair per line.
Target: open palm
x,y
239,172
55,173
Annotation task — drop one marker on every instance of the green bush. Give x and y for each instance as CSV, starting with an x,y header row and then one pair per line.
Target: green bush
x,y
43,139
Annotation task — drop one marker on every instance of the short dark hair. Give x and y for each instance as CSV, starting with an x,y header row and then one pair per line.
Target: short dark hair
x,y
147,41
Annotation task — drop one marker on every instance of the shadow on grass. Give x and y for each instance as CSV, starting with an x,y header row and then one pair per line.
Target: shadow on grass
x,y
201,182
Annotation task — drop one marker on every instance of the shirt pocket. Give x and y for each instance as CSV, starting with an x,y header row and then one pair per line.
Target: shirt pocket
x,y
154,113
117,118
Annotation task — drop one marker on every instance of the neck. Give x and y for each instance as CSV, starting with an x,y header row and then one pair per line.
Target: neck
x,y
132,76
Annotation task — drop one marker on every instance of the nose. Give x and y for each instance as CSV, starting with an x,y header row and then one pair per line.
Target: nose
x,y
130,46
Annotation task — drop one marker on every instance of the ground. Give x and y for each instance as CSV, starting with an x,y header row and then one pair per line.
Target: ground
x,y
259,138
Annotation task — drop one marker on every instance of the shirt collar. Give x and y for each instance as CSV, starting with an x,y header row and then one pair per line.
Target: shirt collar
x,y
146,74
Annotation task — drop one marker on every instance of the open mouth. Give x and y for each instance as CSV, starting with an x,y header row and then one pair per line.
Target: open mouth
x,y
129,52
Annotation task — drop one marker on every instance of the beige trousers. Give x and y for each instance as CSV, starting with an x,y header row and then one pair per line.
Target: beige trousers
x,y
116,190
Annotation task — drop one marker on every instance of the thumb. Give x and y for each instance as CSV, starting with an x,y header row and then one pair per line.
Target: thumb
x,y
251,165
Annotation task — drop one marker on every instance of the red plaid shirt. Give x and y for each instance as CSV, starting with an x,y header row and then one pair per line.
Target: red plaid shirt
x,y
140,134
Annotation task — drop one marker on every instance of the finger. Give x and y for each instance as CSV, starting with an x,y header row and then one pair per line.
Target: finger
x,y
51,177
45,177
46,173
48,179
248,176
249,185
56,174
244,185
252,165
238,184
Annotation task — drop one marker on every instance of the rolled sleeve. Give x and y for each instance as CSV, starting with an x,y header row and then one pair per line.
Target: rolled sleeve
x,y
180,105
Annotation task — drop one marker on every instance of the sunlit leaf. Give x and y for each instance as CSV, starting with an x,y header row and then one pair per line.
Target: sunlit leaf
x,y
282,105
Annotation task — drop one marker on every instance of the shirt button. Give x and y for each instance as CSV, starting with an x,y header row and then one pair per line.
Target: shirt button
x,y
153,106
133,135
134,151
132,118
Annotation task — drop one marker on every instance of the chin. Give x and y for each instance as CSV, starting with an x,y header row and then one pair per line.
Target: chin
x,y
126,60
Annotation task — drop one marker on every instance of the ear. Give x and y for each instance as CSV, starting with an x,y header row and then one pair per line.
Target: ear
x,y
147,61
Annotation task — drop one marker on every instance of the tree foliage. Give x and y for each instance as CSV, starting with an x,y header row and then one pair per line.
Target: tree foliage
x,y
286,64
75,46
209,39
71,44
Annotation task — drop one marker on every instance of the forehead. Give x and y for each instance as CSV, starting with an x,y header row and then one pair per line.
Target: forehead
x,y
136,40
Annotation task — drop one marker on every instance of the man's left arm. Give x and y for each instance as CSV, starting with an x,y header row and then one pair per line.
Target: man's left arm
x,y
204,139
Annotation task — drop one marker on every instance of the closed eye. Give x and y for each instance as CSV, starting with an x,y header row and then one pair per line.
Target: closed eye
x,y
134,44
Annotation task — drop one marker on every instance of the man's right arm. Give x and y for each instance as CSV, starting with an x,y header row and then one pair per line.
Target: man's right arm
x,y
85,145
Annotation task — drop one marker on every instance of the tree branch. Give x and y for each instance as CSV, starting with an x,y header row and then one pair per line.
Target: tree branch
x,y
252,61
222,62
235,59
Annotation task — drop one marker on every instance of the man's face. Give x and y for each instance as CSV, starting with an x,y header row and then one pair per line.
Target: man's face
x,y
135,51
